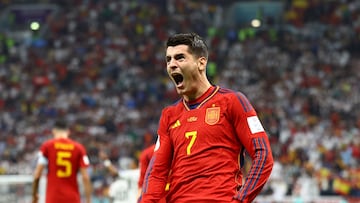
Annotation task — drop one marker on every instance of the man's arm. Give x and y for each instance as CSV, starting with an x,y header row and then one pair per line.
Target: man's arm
x,y
108,165
261,167
35,186
111,168
255,140
87,184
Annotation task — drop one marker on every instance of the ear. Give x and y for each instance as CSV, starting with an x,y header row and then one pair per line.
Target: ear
x,y
202,61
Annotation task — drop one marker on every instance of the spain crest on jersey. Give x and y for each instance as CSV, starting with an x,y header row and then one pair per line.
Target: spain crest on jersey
x,y
212,115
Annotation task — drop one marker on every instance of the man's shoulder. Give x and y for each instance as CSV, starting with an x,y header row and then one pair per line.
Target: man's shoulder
x,y
48,142
78,145
130,174
227,91
72,141
147,152
231,94
174,107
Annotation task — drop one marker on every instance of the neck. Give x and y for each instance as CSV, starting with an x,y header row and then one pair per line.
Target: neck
x,y
199,90
60,134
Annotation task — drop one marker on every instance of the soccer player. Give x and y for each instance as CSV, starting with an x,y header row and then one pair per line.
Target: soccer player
x,y
124,189
63,158
120,191
203,137
144,161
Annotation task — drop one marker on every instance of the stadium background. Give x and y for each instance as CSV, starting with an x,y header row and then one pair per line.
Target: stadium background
x,y
101,64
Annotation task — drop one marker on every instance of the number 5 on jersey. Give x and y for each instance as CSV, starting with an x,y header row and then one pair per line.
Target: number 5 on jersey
x,y
62,160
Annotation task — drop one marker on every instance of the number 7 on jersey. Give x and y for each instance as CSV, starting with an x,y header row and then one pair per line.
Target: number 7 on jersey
x,y
192,135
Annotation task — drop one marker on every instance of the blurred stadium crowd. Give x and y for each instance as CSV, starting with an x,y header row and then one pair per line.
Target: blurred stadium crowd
x,y
101,64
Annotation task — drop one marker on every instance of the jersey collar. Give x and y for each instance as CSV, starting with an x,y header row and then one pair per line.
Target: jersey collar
x,y
197,103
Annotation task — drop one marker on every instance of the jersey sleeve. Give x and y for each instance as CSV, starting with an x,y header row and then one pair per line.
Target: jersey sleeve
x,y
44,149
41,159
159,166
254,139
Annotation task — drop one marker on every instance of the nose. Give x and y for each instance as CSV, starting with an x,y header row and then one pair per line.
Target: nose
x,y
171,64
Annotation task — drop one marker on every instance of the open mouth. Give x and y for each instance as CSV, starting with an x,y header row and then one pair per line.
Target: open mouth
x,y
178,78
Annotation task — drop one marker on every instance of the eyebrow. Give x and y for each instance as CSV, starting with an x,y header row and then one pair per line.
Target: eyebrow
x,y
176,56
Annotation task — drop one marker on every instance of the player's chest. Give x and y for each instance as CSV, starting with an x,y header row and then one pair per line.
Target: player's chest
x,y
202,122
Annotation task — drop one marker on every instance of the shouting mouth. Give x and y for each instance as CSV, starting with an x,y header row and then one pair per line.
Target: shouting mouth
x,y
178,79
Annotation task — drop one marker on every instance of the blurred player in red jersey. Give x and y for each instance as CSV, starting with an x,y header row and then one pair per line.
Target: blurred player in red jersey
x,y
144,161
202,138
63,158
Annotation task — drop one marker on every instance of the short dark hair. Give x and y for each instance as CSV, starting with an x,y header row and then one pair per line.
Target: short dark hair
x,y
60,124
196,44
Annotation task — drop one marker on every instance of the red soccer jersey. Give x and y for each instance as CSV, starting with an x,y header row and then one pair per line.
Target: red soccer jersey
x,y
65,157
203,144
144,161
